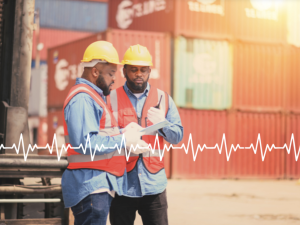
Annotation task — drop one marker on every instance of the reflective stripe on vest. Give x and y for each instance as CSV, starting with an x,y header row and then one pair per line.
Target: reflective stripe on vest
x,y
113,162
124,113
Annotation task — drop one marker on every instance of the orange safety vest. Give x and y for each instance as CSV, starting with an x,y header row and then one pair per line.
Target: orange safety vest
x,y
113,162
124,114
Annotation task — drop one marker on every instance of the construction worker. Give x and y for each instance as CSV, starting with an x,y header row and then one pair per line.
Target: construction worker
x,y
88,185
134,102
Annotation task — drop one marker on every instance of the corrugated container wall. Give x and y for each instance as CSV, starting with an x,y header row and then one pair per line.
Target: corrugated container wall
x,y
64,61
258,77
43,132
181,17
293,127
73,15
56,126
292,79
255,20
206,128
202,74
52,37
37,105
201,18
142,15
293,22
259,21
244,130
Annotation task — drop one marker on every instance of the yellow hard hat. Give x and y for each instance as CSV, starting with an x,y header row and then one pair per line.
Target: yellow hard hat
x,y
101,50
137,55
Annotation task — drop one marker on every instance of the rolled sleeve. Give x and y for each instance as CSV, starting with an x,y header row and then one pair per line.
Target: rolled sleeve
x,y
174,132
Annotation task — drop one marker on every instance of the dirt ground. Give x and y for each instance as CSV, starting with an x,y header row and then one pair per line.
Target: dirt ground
x,y
233,202
227,202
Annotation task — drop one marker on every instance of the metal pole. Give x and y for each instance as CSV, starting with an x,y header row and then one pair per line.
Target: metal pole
x,y
22,53
4,190
37,38
21,68
30,200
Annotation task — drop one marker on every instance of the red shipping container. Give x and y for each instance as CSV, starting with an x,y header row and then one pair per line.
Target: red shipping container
x,y
205,127
244,130
293,127
42,132
167,163
258,77
181,17
53,37
56,126
257,20
64,61
292,80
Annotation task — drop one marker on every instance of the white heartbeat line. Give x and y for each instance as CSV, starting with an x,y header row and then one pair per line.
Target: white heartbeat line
x,y
152,149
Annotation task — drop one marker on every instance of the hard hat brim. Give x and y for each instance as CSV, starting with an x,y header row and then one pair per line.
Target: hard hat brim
x,y
113,62
136,63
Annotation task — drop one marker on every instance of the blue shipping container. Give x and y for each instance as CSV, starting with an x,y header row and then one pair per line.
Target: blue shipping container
x,y
73,15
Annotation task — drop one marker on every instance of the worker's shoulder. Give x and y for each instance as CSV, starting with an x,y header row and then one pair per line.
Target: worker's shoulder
x,y
83,97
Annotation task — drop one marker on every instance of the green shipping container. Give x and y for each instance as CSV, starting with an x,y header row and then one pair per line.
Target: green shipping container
x,y
202,74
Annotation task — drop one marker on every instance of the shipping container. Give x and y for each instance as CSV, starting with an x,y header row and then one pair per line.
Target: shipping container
x,y
293,128
64,61
168,162
43,132
292,79
37,105
202,18
204,128
258,131
41,63
51,37
88,16
56,126
256,20
258,77
293,22
181,17
202,74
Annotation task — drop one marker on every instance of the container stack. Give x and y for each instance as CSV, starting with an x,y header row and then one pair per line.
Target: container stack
x,y
234,72
231,67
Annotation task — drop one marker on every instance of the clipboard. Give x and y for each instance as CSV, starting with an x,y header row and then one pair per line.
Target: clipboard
x,y
155,127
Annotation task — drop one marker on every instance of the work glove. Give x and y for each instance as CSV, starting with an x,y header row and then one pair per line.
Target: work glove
x,y
156,115
133,138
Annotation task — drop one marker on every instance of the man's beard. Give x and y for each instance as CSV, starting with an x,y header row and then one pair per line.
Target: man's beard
x,y
100,82
137,87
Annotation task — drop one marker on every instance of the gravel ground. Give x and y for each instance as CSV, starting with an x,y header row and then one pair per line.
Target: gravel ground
x,y
227,202
230,202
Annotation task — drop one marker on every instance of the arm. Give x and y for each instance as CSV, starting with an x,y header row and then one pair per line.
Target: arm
x,y
83,116
173,133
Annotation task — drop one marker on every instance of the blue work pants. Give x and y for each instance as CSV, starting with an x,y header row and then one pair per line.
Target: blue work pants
x,y
93,209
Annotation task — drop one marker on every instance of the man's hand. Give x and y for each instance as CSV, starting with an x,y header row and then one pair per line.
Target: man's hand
x,y
156,115
133,137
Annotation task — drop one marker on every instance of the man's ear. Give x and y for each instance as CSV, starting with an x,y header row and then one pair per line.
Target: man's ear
x,y
95,72
124,71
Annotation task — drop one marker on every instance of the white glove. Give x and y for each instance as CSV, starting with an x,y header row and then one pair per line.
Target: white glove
x,y
133,138
156,115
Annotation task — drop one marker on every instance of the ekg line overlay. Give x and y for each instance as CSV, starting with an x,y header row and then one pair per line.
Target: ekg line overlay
x,y
156,143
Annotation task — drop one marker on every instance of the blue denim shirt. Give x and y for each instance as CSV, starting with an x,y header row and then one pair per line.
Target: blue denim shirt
x,y
140,181
82,115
